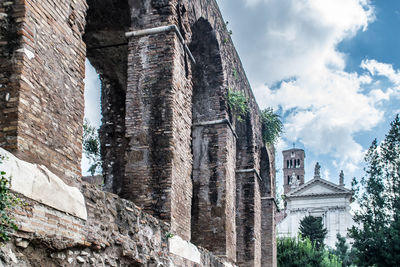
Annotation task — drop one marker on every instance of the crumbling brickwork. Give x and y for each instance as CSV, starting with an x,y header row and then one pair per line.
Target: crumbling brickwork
x,y
116,233
169,142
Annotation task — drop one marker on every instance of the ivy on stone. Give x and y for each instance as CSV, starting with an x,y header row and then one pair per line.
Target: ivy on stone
x,y
237,102
8,201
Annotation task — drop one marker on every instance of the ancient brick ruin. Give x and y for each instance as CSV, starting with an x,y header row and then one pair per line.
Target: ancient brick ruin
x,y
170,144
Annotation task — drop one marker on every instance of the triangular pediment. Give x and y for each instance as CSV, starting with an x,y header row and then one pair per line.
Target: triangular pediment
x,y
318,187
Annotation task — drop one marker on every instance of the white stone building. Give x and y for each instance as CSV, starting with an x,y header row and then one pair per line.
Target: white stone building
x,y
317,197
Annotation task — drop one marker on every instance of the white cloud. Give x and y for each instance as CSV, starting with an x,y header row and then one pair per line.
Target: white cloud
x,y
382,69
296,45
298,37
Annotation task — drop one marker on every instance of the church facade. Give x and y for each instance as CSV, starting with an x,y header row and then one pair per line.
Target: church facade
x,y
317,197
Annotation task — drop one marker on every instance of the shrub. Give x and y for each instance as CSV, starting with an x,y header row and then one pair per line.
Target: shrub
x,y
272,126
7,202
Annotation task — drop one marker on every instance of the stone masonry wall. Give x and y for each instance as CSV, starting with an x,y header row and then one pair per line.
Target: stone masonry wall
x,y
42,119
117,233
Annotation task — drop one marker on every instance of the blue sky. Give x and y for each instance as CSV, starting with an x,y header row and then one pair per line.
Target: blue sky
x,y
331,68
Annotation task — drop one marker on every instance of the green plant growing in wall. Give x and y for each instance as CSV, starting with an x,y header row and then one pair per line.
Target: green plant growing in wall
x,y
91,148
237,102
7,202
235,74
169,235
272,126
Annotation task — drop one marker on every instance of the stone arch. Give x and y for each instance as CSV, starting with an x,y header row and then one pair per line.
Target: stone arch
x,y
107,51
265,173
268,207
213,146
208,81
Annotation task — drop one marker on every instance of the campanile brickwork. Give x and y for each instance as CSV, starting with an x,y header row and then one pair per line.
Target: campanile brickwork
x,y
293,168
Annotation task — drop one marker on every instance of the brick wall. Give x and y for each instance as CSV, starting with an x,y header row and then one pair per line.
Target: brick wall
x,y
158,122
42,121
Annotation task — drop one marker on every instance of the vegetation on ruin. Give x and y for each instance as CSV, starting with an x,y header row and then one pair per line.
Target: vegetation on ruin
x,y
302,252
91,148
272,126
237,102
312,228
376,232
7,202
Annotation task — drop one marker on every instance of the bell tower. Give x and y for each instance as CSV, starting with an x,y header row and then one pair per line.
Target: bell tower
x,y
293,168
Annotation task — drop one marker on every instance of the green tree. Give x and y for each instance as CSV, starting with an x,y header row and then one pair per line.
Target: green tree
x,y
377,231
91,148
343,251
312,228
300,252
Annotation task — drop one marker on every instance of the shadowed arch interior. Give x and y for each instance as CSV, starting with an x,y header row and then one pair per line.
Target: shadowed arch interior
x,y
208,202
107,51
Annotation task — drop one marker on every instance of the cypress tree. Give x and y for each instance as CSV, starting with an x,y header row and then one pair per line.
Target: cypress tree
x,y
312,228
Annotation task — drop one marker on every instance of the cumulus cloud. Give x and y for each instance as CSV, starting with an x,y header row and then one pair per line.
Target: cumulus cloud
x,y
293,63
382,69
298,37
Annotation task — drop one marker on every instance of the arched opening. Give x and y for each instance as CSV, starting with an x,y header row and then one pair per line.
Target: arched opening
x,y
107,51
265,173
268,206
212,219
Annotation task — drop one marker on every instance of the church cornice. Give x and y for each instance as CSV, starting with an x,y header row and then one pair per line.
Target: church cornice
x,y
339,190
321,195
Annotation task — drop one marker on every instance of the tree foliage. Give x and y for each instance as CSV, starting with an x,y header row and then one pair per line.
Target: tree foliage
x,y
7,202
312,228
377,231
300,252
272,126
91,148
343,252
